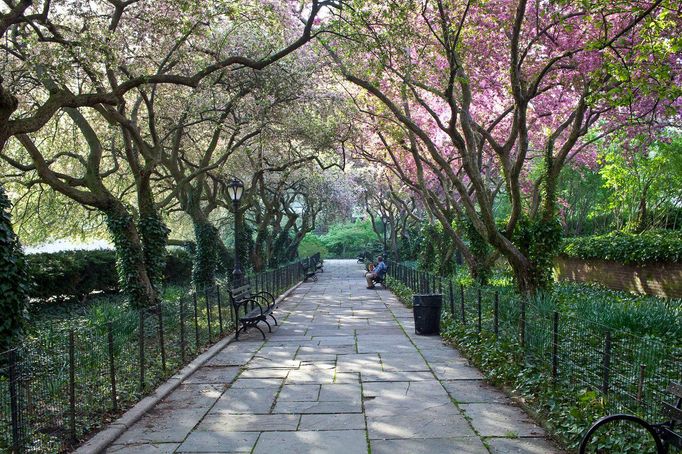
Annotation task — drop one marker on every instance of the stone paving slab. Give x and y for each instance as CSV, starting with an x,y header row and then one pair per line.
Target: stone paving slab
x,y
520,446
342,373
498,420
147,448
215,442
471,445
474,391
349,421
331,441
221,422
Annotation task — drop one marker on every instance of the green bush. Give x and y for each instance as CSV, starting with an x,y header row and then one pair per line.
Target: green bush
x,y
74,274
311,245
178,270
628,248
348,240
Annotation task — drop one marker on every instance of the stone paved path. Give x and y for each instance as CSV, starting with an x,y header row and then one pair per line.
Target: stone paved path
x,y
343,373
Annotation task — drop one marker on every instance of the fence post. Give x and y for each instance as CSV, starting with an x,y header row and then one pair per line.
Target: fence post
x,y
440,284
220,308
196,321
14,402
161,339
112,366
522,325
72,386
607,362
141,347
208,314
555,345
496,315
461,297
480,322
182,330
640,383
452,299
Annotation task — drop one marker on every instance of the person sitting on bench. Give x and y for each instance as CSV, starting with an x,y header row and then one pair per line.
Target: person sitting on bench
x,y
377,273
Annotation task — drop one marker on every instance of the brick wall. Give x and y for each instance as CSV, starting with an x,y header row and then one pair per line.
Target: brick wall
x,y
659,279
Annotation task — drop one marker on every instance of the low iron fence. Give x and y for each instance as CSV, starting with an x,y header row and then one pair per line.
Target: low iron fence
x,y
56,389
631,372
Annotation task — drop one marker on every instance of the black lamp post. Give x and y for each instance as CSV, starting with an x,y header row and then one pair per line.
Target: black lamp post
x,y
384,220
235,189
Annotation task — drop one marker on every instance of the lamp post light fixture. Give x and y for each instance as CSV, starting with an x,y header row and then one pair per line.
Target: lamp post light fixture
x,y
235,190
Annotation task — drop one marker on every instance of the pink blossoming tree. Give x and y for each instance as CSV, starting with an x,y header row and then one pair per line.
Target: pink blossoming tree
x,y
476,103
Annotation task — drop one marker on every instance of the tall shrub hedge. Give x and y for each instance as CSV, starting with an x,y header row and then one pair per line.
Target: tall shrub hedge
x,y
627,248
74,274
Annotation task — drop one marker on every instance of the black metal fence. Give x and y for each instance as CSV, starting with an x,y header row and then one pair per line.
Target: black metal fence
x,y
57,388
631,372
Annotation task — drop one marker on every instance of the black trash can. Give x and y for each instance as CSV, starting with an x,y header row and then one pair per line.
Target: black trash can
x,y
426,310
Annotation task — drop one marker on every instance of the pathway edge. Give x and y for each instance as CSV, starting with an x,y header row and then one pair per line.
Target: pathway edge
x,y
105,437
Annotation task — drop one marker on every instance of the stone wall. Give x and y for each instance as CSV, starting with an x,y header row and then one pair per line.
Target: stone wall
x,y
659,279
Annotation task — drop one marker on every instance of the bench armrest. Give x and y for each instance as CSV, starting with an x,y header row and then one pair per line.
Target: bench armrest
x,y
245,304
267,296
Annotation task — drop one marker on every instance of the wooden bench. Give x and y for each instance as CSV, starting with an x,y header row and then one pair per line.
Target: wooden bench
x,y
665,434
252,308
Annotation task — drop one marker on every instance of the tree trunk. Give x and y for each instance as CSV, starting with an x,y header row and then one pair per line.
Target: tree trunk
x,y
154,233
211,254
524,280
642,213
130,262
257,258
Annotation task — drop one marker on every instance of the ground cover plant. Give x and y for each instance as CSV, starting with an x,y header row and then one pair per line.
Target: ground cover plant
x,y
110,355
644,335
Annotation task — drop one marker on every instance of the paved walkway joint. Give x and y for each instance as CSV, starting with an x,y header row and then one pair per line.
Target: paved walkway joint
x,y
343,373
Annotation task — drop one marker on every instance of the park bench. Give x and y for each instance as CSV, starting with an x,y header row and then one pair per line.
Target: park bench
x,y
665,434
252,308
309,270
319,266
380,280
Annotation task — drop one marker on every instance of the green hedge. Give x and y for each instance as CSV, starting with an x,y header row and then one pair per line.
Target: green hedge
x,y
628,248
69,274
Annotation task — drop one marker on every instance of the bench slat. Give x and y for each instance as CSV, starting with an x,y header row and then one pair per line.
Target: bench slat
x,y
675,389
672,412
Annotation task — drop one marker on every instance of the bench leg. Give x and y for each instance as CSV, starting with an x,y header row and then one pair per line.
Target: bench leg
x,y
269,327
261,331
273,317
